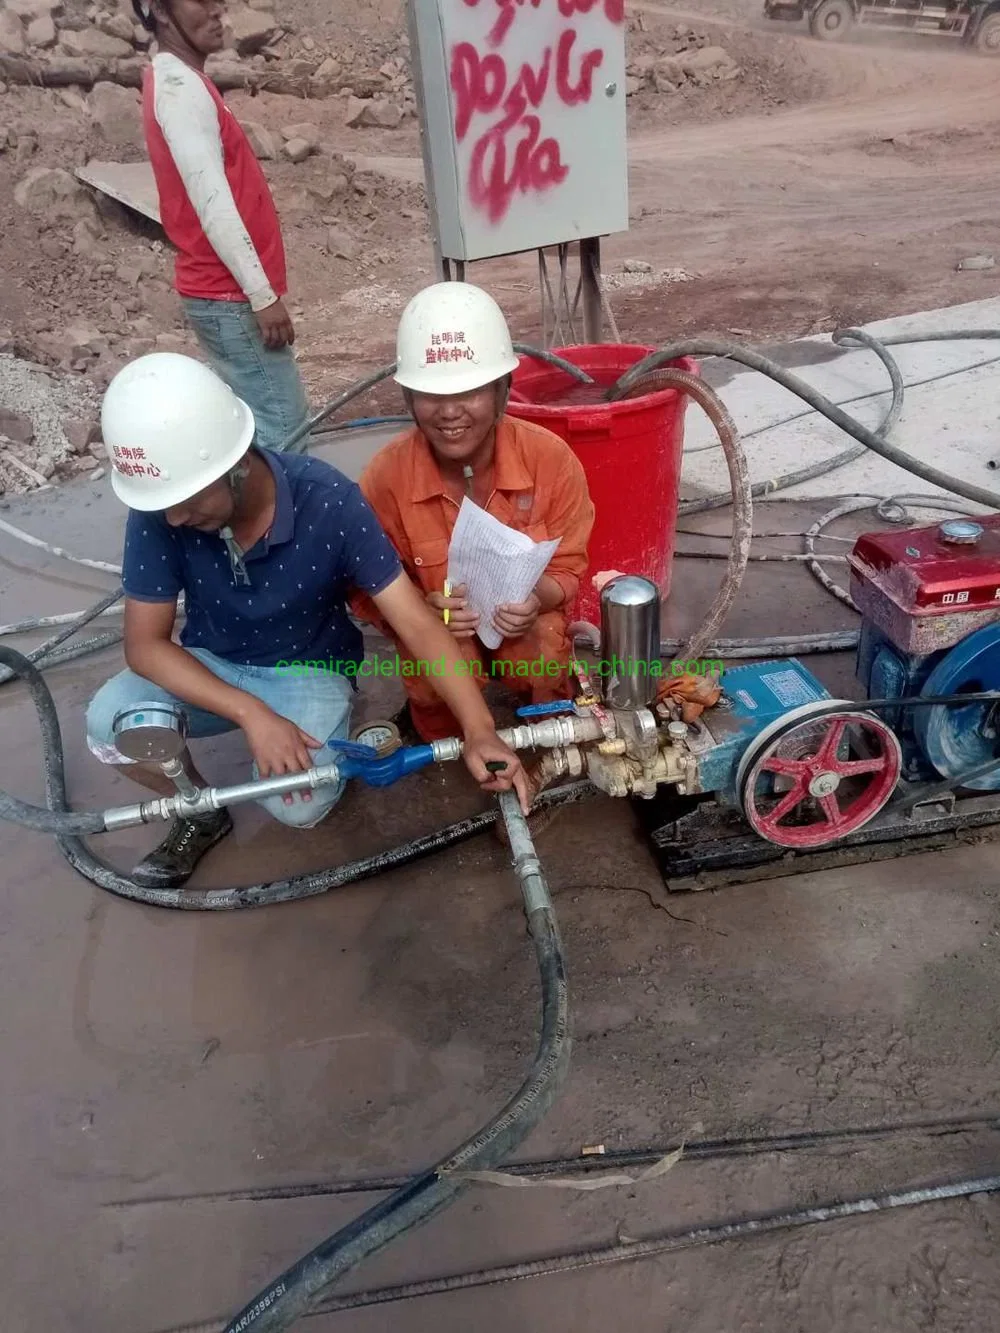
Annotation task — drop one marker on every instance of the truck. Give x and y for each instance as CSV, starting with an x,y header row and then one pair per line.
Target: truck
x,y
973,23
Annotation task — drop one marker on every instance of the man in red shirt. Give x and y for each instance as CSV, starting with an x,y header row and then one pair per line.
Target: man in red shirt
x,y
217,210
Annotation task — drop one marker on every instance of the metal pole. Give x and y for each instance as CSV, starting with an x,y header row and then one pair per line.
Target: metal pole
x,y
590,276
413,31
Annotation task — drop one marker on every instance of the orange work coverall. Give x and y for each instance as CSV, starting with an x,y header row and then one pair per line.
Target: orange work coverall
x,y
539,488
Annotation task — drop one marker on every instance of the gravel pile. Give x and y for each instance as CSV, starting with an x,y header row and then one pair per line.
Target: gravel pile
x,y
52,404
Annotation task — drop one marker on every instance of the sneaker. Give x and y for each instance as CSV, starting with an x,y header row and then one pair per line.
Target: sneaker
x,y
172,863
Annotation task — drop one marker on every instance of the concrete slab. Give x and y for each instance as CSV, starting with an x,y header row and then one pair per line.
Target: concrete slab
x,y
131,183
951,416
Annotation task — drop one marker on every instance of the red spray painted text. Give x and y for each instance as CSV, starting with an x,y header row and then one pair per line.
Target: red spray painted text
x,y
512,157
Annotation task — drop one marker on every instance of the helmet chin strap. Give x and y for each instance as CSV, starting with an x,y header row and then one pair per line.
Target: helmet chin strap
x,y
237,477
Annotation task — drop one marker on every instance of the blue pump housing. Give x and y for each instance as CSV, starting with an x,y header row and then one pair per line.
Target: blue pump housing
x,y
886,672
753,697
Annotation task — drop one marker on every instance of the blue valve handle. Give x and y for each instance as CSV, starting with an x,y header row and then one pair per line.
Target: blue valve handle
x,y
543,710
362,761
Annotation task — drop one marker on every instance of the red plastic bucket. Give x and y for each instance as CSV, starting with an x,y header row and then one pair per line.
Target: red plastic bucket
x,y
631,452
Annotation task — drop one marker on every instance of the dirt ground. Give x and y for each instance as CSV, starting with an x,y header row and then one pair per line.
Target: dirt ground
x,y
154,1057
825,185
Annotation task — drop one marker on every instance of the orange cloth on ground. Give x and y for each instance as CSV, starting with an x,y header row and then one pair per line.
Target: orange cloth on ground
x,y
539,488
693,693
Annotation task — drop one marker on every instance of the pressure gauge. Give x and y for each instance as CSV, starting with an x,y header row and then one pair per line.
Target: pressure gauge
x,y
382,737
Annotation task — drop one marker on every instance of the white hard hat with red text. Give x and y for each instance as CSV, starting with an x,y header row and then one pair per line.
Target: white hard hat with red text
x,y
171,427
452,338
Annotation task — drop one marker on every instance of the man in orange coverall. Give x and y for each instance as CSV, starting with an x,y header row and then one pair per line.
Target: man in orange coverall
x,y
454,363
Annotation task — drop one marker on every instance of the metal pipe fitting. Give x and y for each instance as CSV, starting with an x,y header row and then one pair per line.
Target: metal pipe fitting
x,y
630,641
217,798
552,733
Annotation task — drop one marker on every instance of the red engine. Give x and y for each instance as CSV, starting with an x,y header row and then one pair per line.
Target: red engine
x,y
927,588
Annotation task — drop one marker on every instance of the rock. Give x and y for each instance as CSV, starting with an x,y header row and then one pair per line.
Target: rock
x,y
377,111
71,98
91,42
82,341
297,150
171,342
670,68
637,266
341,244
140,37
52,193
117,112
709,59
331,187
42,33
46,465
385,114
357,108
3,88
32,9
16,427
261,140
261,4
632,86
117,25
976,263
129,275
80,435
87,235
11,34
27,146
310,133
251,29
328,75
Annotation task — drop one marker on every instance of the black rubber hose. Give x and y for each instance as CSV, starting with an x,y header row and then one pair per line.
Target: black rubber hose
x,y
377,376
291,1295
754,361
56,818
814,470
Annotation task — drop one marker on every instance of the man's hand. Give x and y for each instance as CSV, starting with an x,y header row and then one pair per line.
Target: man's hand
x,y
516,618
481,748
462,623
275,324
279,746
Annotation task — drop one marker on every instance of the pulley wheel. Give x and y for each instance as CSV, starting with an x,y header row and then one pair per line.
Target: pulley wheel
x,y
809,779
957,737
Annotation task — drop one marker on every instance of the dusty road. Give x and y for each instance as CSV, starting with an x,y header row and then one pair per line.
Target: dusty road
x,y
855,205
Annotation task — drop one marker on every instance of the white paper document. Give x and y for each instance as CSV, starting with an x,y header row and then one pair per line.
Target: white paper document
x,y
496,564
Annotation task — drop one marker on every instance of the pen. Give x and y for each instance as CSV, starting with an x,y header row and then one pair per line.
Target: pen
x,y
447,593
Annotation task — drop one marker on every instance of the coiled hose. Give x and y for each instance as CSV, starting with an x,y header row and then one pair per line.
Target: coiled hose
x,y
863,434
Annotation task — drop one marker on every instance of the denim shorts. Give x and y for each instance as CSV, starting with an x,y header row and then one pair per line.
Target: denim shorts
x,y
320,705
268,381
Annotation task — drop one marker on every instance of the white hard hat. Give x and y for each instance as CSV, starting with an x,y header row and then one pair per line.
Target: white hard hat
x,y
452,338
171,427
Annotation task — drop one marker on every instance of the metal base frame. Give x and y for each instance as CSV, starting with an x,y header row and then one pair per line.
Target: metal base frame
x,y
698,844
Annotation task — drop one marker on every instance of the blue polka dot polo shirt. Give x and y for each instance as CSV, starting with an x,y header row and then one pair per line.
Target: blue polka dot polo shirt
x,y
324,540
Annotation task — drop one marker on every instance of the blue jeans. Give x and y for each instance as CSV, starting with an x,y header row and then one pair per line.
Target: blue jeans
x,y
320,705
268,381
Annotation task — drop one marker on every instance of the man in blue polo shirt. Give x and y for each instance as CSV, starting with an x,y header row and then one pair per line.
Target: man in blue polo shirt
x,y
265,548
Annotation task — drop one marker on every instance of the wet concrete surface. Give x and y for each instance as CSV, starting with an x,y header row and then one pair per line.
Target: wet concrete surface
x,y
156,1054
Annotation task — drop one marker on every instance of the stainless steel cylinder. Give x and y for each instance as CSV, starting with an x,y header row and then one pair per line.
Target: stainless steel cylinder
x,y
630,641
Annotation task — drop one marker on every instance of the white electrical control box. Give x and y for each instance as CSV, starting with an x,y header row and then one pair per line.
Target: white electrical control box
x,y
522,105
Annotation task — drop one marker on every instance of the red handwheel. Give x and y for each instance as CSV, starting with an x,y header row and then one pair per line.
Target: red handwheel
x,y
810,780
